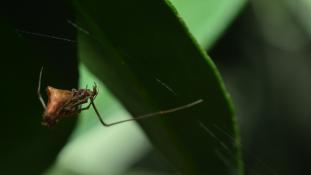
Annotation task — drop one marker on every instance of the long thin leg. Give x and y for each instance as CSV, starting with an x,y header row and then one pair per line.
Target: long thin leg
x,y
46,36
146,115
39,89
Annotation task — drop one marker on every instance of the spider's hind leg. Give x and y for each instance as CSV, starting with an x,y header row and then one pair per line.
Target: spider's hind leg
x,y
39,89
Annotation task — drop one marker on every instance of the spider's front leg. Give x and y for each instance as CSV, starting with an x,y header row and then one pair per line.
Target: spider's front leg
x,y
92,98
95,91
85,108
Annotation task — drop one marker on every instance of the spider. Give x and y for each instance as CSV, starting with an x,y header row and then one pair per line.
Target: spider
x,y
66,103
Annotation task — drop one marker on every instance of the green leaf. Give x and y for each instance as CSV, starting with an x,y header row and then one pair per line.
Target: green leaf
x,y
135,47
208,19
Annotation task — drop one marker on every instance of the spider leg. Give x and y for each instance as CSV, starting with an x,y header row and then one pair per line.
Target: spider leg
x,y
95,90
39,89
82,102
146,115
97,113
86,107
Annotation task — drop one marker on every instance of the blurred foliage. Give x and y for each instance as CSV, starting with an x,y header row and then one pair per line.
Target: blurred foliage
x,y
265,60
208,19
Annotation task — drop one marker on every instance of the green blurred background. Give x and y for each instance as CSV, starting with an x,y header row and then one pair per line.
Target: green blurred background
x,y
261,47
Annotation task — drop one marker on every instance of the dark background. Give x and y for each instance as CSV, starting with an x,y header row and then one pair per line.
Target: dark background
x,y
27,147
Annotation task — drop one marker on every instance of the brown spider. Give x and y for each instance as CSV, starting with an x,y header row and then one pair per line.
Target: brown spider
x,y
65,103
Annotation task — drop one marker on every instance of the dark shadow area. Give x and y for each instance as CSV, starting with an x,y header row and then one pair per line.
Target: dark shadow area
x,y
26,146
